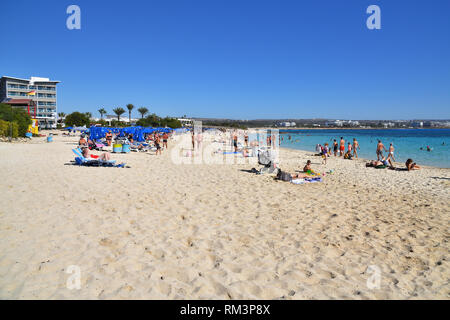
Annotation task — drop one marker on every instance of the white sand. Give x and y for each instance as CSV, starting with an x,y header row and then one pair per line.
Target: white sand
x,y
159,230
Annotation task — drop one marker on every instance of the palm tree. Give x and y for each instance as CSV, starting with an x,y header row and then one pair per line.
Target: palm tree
x,y
129,107
102,111
61,116
143,111
118,111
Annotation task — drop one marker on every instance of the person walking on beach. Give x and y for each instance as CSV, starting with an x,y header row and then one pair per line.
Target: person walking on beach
x,y
246,138
349,147
335,147
342,147
380,148
165,137
193,140
355,146
391,152
157,144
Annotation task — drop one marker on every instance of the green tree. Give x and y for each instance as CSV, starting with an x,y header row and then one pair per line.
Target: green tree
x,y
129,107
143,111
77,119
153,120
118,111
61,116
16,115
88,114
102,112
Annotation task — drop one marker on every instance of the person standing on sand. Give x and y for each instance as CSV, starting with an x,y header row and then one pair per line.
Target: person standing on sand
x,y
157,144
246,138
199,140
325,153
165,137
193,140
355,146
342,147
335,147
349,147
108,137
380,148
235,141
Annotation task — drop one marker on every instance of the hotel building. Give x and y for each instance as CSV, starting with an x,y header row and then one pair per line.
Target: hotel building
x,y
44,96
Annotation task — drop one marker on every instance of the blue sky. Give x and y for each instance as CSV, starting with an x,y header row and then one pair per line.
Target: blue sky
x,y
237,59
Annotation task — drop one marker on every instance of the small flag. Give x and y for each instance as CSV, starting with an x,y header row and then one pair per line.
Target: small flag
x,y
31,93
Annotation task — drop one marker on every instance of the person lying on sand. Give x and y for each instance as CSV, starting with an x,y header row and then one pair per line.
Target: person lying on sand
x,y
411,165
103,156
286,176
374,163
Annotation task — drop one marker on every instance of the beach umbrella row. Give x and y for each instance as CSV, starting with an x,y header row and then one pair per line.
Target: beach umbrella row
x,y
137,132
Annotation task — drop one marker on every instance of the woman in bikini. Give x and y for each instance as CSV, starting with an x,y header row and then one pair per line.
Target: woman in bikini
x,y
411,165
342,147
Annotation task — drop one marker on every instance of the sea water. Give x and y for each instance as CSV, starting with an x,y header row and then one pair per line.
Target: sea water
x,y
408,143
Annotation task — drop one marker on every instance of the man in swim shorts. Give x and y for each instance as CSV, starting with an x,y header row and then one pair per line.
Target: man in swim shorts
x,y
335,147
165,137
235,138
157,144
380,148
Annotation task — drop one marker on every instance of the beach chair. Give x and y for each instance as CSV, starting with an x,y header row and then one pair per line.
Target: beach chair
x,y
82,161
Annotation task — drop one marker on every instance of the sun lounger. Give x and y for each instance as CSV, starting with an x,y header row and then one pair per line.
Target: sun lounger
x,y
81,160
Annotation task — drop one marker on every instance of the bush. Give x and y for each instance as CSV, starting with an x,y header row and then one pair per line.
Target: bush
x,y
77,119
18,116
115,123
5,129
102,122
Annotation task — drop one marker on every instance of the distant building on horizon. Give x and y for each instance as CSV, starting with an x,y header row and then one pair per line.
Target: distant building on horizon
x,y
40,90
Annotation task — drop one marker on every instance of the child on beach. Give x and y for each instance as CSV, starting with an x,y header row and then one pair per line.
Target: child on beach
x,y
307,167
324,153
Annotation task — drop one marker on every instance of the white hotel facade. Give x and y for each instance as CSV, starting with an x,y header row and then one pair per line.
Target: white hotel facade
x,y
45,96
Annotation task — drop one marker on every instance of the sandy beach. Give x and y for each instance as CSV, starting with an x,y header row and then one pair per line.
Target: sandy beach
x,y
160,230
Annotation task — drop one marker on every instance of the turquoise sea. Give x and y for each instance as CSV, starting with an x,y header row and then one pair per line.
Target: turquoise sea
x,y
407,142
